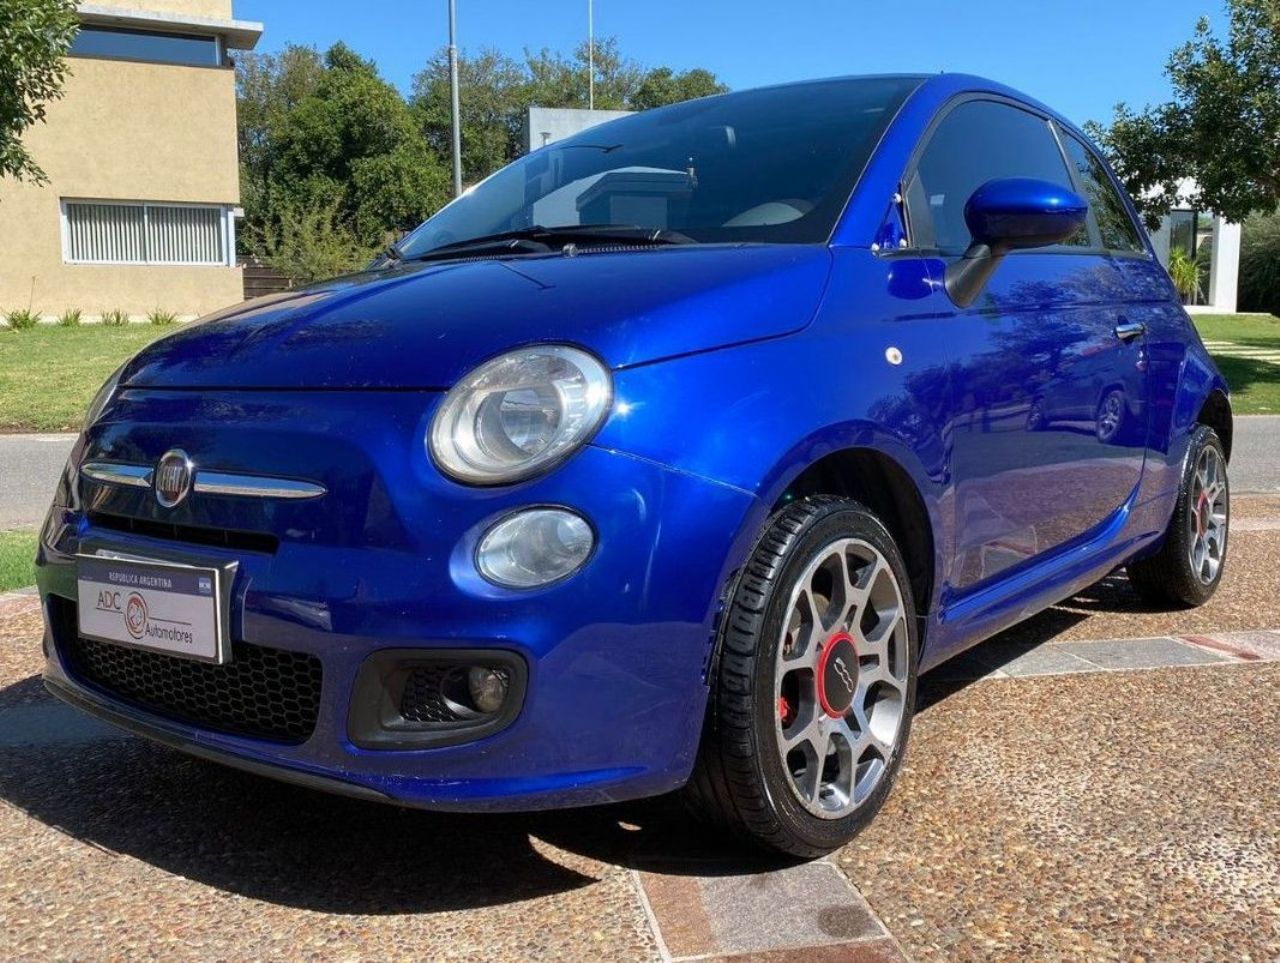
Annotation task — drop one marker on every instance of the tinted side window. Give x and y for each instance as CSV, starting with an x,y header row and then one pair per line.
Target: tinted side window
x,y
1114,224
977,142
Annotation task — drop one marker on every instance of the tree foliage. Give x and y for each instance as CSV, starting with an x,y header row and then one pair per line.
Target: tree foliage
x,y
327,144
1220,130
328,148
1260,264
497,92
35,36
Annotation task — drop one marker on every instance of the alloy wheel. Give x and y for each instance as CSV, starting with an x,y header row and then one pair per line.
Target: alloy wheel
x,y
841,677
1207,519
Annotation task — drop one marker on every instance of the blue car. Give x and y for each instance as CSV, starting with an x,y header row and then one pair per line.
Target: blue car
x,y
667,457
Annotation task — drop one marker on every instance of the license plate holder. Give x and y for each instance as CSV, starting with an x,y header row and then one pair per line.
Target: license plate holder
x,y
158,605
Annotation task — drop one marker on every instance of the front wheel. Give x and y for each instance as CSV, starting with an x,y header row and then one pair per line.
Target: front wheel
x,y
814,683
1187,569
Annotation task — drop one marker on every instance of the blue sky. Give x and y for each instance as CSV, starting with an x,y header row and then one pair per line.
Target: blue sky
x,y
1080,57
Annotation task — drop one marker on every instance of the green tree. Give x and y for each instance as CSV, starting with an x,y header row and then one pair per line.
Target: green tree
x,y
1222,127
35,36
662,86
497,92
268,88
329,147
497,95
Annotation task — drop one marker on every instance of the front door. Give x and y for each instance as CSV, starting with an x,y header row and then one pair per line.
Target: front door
x,y
1048,388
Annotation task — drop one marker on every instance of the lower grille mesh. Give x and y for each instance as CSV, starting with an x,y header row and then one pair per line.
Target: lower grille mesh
x,y
423,696
264,693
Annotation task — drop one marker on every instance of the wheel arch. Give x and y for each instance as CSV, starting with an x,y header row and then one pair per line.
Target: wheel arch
x,y
1216,414
877,479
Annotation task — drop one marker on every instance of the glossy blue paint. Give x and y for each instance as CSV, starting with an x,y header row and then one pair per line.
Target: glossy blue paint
x,y
1022,212
736,368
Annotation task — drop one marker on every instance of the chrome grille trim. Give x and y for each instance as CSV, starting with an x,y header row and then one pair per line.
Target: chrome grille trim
x,y
206,482
132,476
254,486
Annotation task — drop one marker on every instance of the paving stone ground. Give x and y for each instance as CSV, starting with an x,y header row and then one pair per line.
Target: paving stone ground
x,y
1098,783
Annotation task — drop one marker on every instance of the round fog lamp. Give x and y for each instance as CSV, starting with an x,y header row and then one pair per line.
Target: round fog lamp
x,y
534,548
488,687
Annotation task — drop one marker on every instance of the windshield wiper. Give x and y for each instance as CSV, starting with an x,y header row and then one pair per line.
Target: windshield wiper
x,y
542,240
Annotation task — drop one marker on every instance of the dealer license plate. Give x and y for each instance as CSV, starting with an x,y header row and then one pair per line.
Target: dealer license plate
x,y
149,604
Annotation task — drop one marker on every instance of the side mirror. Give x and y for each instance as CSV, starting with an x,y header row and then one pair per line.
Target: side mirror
x,y
1011,215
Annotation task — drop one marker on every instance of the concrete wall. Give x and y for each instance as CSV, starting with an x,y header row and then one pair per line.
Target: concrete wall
x,y
131,132
546,125
193,8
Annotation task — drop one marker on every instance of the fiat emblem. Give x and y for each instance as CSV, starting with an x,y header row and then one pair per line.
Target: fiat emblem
x,y
173,477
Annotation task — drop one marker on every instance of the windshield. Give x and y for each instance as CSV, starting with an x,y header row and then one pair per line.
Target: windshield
x,y
771,165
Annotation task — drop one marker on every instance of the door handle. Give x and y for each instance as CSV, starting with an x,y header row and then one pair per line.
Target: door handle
x,y
1129,330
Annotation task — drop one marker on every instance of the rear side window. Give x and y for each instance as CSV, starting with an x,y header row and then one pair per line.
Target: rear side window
x,y
978,141
1114,223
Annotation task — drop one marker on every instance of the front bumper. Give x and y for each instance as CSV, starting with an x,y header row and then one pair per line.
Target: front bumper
x,y
616,654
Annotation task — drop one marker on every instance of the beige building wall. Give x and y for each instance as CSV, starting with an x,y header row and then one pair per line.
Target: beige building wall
x,y
184,8
129,132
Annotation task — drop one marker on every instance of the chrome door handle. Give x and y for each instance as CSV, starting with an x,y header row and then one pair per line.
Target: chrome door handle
x,y
1130,330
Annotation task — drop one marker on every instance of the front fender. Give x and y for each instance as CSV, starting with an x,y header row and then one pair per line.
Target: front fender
x,y
755,417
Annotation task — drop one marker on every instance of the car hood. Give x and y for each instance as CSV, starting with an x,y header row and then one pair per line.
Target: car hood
x,y
425,325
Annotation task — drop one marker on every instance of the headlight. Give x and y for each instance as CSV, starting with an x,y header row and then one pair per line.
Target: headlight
x,y
520,414
103,397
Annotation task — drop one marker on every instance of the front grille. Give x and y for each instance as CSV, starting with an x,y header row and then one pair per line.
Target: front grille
x,y
264,693
192,534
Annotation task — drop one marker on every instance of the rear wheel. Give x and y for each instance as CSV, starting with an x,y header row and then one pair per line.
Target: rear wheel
x,y
1187,569
814,684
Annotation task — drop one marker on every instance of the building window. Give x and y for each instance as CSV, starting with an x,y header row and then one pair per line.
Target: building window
x,y
151,46
97,232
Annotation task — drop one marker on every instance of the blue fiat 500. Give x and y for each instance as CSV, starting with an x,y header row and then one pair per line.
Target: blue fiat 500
x,y
668,456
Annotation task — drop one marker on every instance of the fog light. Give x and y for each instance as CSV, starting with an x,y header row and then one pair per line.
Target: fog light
x,y
534,548
488,687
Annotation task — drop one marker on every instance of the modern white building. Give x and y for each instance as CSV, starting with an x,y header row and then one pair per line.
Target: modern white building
x,y
1192,231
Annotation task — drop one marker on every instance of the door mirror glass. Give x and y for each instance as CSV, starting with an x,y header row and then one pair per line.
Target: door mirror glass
x,y
1017,213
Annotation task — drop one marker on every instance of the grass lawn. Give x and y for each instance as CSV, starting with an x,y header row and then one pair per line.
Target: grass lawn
x,y
49,374
1255,385
17,559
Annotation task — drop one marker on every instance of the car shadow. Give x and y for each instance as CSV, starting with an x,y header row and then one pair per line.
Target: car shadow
x,y
255,837
283,844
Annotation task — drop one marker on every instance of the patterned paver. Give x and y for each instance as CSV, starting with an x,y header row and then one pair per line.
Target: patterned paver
x,y
1099,783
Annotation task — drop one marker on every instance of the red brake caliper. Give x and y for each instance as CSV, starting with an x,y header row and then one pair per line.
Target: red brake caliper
x,y
785,712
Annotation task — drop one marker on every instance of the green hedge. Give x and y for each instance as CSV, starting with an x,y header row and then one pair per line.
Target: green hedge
x,y
1260,265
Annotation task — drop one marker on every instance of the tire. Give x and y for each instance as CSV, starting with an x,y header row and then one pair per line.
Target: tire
x,y
1201,520
860,637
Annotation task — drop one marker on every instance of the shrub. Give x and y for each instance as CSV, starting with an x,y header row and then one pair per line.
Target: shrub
x,y
162,319
1185,274
70,318
1260,264
312,244
22,319
115,319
